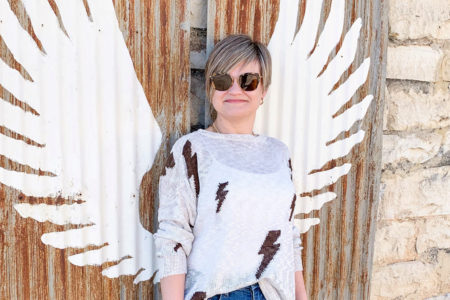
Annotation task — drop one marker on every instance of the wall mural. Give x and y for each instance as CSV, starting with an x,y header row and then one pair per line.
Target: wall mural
x,y
302,90
94,135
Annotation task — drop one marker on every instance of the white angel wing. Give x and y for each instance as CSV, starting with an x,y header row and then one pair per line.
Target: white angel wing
x,y
300,104
95,133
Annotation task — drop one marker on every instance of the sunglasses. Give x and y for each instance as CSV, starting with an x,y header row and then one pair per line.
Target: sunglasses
x,y
247,81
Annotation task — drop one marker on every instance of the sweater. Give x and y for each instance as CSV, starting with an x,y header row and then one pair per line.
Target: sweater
x,y
226,204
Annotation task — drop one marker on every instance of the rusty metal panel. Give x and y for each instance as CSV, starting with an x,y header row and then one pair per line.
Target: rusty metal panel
x,y
325,103
145,52
255,18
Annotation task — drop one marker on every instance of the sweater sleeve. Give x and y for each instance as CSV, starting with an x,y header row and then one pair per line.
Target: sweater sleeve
x,y
298,266
176,215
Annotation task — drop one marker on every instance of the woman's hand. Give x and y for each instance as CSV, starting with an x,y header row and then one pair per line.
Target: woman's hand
x,y
172,287
300,291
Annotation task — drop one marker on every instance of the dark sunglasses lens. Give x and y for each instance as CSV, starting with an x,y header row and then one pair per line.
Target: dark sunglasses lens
x,y
222,82
249,82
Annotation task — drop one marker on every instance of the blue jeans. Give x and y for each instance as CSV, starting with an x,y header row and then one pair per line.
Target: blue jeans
x,y
251,292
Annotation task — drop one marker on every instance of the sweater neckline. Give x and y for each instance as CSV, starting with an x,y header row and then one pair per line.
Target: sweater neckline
x,y
232,136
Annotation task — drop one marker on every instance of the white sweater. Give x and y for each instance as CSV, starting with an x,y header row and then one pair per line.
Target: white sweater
x,y
225,215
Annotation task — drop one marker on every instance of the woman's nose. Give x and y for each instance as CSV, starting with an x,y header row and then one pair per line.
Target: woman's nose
x,y
235,87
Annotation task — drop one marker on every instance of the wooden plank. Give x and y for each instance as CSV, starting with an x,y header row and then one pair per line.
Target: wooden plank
x,y
156,34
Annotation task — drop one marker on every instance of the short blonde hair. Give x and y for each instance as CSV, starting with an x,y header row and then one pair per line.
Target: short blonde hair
x,y
233,50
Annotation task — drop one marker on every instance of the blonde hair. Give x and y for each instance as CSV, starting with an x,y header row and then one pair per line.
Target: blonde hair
x,y
233,50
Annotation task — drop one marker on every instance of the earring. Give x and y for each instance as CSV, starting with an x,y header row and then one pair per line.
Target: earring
x,y
262,101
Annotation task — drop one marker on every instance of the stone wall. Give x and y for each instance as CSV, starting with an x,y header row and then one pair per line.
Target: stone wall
x,y
200,114
412,242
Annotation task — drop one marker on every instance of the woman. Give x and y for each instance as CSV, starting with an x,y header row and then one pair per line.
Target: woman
x,y
226,195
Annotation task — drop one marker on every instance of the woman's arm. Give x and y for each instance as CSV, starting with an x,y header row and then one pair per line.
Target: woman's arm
x,y
176,217
172,287
300,291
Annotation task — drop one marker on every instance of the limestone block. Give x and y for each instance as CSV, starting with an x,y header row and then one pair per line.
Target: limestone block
x,y
385,110
198,48
414,148
404,280
415,19
198,59
446,143
419,193
440,297
420,63
435,233
445,67
197,99
199,13
412,106
443,269
395,241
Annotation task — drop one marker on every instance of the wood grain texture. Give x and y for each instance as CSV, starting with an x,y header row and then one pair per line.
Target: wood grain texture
x,y
337,254
157,36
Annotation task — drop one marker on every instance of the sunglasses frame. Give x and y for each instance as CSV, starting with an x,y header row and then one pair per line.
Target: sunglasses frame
x,y
258,78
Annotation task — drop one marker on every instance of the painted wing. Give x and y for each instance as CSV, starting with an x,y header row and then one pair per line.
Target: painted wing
x,y
301,102
94,133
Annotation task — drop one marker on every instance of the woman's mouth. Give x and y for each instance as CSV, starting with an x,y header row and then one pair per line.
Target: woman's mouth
x,y
235,101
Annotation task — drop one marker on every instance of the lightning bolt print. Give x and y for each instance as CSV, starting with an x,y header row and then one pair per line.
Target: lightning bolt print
x,y
292,206
290,167
191,164
268,250
170,163
177,246
221,194
199,296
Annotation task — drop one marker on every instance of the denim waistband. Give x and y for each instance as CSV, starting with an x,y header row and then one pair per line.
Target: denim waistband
x,y
249,292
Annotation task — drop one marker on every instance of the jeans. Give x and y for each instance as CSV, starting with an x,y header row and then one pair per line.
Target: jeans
x,y
251,292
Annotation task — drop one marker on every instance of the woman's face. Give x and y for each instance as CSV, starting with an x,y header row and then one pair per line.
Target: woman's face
x,y
235,103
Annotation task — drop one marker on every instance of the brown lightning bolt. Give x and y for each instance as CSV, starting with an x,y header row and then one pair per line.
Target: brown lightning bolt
x,y
177,246
221,194
292,206
191,164
290,167
170,163
268,250
199,296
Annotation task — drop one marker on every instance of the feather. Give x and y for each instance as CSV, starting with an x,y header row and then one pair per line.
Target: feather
x,y
301,106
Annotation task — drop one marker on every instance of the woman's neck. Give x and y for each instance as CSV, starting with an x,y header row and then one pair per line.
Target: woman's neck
x,y
223,125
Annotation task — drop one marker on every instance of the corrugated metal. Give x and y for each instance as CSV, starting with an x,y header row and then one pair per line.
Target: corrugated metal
x,y
256,18
337,253
156,34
